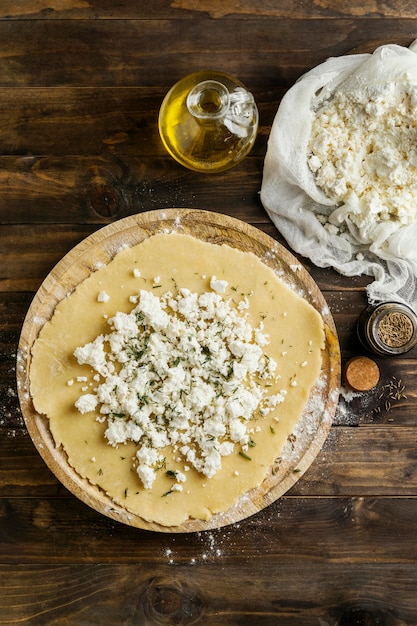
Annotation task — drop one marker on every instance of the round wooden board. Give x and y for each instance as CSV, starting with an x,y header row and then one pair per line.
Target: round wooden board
x,y
99,248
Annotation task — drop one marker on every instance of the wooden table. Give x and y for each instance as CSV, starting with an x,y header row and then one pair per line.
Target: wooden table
x,y
81,84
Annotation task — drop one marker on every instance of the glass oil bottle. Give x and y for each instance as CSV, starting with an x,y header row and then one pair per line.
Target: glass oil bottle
x,y
208,121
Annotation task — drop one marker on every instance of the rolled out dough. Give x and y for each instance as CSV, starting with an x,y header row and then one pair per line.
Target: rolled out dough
x,y
296,336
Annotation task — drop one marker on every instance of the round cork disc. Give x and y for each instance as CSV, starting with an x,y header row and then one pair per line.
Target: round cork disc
x,y
361,373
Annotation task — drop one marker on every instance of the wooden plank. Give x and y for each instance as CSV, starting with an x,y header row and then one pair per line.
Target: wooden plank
x,y
370,461
205,9
96,190
79,121
29,253
337,530
304,592
106,121
35,53
351,558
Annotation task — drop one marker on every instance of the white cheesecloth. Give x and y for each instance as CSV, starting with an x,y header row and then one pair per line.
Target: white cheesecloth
x,y
293,201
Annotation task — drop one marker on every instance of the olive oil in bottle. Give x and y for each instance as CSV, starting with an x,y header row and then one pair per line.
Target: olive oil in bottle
x,y
208,121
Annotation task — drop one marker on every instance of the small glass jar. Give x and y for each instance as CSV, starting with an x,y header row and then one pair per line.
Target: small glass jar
x,y
389,328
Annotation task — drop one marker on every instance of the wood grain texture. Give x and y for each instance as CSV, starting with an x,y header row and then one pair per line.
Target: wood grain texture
x,y
189,9
76,190
125,52
345,530
118,122
286,579
164,595
80,87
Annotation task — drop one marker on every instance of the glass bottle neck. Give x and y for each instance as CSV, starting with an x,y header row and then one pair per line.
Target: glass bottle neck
x,y
209,100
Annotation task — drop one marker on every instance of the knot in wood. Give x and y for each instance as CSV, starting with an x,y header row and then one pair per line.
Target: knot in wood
x,y
361,617
170,602
105,200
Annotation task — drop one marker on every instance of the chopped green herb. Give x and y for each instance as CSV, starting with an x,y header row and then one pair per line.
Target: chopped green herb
x,y
142,401
206,351
245,456
183,393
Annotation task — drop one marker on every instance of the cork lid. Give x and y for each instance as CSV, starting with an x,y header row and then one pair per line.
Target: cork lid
x,y
361,373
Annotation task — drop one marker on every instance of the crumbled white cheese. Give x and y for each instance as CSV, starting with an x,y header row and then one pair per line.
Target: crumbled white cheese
x,y
147,475
103,297
94,354
363,154
217,285
180,370
86,403
243,304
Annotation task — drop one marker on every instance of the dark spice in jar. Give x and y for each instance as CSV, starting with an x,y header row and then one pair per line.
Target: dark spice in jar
x,y
395,329
389,328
